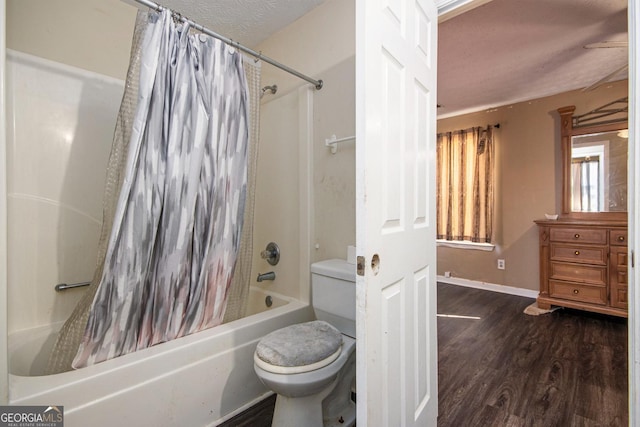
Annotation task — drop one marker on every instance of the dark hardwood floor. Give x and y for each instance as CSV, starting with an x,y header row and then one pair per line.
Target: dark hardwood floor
x,y
566,368
259,415
502,367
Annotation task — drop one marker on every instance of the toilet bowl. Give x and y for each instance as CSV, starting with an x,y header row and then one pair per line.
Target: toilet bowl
x,y
300,396
311,366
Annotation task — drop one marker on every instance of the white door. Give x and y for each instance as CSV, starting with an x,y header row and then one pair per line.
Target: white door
x,y
633,178
395,212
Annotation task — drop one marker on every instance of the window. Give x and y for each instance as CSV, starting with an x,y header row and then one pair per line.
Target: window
x,y
465,183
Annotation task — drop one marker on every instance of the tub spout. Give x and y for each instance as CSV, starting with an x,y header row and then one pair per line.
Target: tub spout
x,y
266,276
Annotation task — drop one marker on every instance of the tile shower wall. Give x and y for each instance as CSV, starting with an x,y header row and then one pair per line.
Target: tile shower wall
x,y
60,123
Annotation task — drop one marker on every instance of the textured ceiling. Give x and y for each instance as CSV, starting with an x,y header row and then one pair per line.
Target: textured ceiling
x,y
508,51
246,21
502,52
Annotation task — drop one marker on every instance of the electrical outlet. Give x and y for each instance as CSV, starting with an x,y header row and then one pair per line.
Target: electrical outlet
x,y
500,264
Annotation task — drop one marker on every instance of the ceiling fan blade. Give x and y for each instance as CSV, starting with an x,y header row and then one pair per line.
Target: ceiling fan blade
x,y
608,44
605,79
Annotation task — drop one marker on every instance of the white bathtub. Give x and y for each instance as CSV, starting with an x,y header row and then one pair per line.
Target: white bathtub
x,y
202,379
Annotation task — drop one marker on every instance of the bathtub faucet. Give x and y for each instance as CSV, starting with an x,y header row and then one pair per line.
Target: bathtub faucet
x,y
266,276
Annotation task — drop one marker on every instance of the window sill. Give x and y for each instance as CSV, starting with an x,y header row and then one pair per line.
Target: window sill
x,y
465,244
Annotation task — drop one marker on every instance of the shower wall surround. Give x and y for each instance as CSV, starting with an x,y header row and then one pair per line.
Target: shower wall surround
x,y
42,212
94,35
334,175
60,123
333,60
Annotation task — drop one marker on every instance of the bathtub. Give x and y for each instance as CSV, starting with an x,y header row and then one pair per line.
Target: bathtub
x,y
199,380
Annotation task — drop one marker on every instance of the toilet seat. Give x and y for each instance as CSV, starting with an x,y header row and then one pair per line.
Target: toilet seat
x,y
299,348
288,370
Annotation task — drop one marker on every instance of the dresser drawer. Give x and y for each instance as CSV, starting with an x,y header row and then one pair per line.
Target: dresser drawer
x,y
618,237
588,274
580,254
584,264
578,292
596,236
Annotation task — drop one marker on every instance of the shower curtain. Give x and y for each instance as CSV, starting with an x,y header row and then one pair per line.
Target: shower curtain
x,y
177,226
239,291
178,223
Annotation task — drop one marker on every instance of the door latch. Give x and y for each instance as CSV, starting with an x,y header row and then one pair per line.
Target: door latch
x,y
360,266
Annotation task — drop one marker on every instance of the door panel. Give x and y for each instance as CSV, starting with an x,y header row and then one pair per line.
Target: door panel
x,y
395,167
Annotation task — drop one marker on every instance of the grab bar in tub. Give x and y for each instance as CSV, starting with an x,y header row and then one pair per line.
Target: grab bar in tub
x,y
63,286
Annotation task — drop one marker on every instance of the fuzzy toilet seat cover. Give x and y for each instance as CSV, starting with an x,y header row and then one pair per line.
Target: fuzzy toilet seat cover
x,y
299,348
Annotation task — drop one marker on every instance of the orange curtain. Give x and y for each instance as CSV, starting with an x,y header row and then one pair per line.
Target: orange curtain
x,y
465,183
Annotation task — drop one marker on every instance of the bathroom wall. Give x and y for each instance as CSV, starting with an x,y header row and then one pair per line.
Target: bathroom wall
x,y
94,35
295,191
528,183
334,176
313,44
61,117
4,376
321,44
60,122
278,188
317,42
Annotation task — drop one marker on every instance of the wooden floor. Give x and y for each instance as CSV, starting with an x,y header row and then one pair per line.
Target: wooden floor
x,y
259,415
506,368
567,368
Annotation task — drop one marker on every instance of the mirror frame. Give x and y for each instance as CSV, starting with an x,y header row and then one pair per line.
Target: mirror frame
x,y
567,131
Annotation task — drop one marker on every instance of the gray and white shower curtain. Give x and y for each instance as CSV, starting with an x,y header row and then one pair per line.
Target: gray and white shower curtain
x,y
178,222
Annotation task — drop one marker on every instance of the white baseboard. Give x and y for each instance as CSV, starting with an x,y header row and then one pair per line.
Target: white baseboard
x,y
529,293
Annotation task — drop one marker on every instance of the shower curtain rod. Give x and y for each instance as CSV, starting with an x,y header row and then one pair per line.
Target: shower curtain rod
x,y
258,55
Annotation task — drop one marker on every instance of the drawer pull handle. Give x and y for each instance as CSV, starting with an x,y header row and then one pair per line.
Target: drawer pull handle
x,y
577,236
621,238
575,291
577,252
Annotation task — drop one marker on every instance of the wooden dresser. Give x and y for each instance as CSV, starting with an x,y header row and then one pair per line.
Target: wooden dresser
x,y
583,265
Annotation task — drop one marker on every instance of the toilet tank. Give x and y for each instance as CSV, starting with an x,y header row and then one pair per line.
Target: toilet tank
x,y
333,294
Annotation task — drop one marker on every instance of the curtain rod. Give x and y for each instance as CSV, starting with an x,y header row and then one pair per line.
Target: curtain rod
x,y
497,126
258,55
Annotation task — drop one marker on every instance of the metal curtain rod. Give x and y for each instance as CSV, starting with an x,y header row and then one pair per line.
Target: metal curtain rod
x,y
317,83
497,126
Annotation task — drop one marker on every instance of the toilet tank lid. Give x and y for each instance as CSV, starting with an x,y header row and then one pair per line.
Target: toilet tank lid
x,y
337,268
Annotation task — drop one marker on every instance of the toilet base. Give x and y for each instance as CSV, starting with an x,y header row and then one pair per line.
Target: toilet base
x,y
330,407
300,411
307,411
347,418
339,407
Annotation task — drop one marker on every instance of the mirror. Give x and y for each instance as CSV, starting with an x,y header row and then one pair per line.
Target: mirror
x,y
594,163
599,172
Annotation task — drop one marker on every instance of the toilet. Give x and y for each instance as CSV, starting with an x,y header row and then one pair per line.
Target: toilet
x,y
312,366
